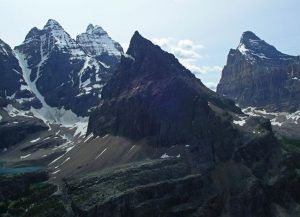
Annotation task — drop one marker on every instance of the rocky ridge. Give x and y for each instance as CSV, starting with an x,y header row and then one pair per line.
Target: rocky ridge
x,y
258,75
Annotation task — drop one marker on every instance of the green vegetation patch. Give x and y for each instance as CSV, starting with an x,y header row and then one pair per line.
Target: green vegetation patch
x,y
291,144
29,195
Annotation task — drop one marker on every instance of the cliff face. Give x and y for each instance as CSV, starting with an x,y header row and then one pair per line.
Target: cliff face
x,y
153,96
258,75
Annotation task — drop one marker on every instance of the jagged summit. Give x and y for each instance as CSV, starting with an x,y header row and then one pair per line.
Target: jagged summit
x,y
258,75
248,35
53,24
52,37
91,29
137,41
256,49
97,43
148,54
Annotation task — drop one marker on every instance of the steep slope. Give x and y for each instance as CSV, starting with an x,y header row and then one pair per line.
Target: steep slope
x,y
15,94
50,84
153,97
12,84
162,144
58,71
162,98
97,43
11,77
258,75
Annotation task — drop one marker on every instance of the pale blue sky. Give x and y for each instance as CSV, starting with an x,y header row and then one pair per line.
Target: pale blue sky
x,y
203,29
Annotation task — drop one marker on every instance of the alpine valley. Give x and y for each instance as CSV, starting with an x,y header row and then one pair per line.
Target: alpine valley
x,y
89,130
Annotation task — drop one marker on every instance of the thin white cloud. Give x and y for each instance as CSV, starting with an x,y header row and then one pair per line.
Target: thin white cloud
x,y
188,53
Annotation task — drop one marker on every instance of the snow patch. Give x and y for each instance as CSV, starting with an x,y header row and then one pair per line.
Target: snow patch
x,y
100,153
276,118
87,138
131,147
165,156
55,172
295,78
241,121
35,140
96,42
26,156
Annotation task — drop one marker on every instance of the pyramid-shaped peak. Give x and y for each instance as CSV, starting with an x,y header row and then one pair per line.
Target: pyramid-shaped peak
x,y
256,48
137,42
248,35
53,24
137,37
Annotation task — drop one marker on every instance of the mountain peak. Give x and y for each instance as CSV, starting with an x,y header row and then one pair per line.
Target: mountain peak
x,y
137,37
53,24
138,44
97,43
254,48
250,41
98,30
137,34
248,35
4,48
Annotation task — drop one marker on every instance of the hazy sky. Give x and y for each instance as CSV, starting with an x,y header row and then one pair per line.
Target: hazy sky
x,y
199,32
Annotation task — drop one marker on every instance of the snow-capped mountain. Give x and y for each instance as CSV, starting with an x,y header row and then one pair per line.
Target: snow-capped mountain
x,y
59,72
50,82
258,75
97,43
48,86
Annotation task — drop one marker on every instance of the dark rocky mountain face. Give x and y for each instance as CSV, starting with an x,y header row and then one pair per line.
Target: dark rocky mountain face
x,y
13,91
97,43
153,97
258,75
12,84
11,75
